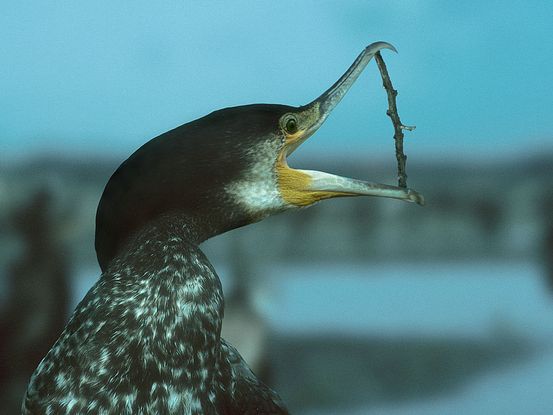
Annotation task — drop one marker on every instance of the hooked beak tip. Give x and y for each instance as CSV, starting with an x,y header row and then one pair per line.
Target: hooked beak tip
x,y
415,197
377,46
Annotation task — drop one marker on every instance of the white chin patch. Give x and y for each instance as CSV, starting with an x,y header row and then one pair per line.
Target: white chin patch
x,y
257,191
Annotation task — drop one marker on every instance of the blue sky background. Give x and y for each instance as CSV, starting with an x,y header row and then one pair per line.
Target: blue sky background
x,y
102,77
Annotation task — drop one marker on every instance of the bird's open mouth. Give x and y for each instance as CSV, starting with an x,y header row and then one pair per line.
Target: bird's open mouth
x,y
304,187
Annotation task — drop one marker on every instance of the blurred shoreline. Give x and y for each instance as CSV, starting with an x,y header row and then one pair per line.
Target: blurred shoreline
x,y
499,210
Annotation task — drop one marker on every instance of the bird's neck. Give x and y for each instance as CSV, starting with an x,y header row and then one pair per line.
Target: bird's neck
x,y
174,298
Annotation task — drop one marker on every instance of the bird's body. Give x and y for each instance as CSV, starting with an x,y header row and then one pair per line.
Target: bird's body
x,y
146,338
143,342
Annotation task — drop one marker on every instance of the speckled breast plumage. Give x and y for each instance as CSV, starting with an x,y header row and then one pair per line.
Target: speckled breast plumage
x,y
147,342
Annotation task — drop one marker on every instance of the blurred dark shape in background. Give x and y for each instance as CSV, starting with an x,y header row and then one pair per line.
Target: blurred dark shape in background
x,y
244,326
349,305
38,296
361,371
548,255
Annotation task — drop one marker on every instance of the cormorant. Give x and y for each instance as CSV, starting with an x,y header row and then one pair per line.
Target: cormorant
x,y
146,337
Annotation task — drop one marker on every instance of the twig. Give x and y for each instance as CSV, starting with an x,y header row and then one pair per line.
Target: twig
x,y
398,126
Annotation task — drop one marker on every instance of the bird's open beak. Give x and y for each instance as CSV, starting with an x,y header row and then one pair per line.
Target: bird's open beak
x,y
304,187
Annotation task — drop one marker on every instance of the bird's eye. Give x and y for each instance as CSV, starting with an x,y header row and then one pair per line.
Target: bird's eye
x,y
291,126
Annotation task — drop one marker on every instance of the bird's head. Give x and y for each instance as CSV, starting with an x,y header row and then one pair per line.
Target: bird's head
x,y
229,169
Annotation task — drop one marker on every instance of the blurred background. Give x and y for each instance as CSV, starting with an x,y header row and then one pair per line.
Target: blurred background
x,y
353,306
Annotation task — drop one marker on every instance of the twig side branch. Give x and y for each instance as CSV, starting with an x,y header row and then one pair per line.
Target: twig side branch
x,y
398,126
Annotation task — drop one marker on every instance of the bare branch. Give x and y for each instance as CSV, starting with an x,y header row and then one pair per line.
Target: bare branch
x,y
398,126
